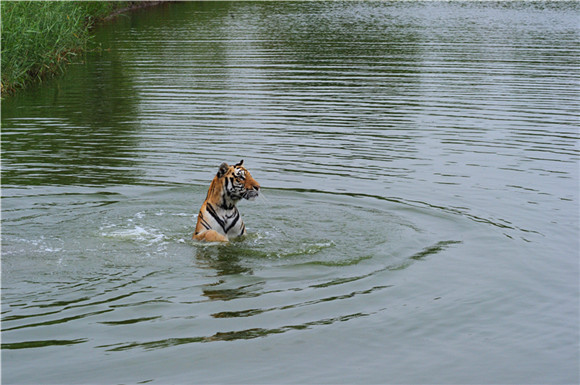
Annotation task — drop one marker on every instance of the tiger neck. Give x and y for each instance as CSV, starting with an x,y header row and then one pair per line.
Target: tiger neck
x,y
219,198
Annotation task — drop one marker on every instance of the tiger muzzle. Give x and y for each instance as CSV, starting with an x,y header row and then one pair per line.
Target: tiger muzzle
x,y
252,194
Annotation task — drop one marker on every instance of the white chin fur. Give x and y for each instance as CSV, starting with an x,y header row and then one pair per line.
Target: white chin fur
x,y
251,196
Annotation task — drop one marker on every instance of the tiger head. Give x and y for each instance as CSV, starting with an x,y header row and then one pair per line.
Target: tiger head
x,y
237,182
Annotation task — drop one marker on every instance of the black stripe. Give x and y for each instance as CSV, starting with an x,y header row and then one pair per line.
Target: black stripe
x,y
236,218
203,221
215,216
224,205
243,229
229,182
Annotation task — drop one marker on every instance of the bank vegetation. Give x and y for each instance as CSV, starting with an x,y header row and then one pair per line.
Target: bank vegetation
x,y
40,37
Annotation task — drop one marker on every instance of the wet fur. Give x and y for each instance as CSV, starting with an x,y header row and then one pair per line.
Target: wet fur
x,y
219,219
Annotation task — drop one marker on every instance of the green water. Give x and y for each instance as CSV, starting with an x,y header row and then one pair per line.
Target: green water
x,y
419,223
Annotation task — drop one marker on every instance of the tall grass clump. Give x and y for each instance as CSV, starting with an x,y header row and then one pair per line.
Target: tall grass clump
x,y
40,37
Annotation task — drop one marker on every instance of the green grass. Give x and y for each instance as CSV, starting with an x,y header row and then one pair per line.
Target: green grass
x,y
40,37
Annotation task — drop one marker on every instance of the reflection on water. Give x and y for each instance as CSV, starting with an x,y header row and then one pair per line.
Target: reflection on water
x,y
420,163
50,141
223,260
233,335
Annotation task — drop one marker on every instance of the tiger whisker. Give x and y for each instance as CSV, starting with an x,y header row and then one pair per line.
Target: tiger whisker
x,y
263,196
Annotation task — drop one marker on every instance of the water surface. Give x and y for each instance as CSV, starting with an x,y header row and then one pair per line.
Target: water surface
x,y
420,215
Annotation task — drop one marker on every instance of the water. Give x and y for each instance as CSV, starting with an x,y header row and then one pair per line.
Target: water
x,y
420,219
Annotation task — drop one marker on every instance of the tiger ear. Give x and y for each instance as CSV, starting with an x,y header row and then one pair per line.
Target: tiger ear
x,y
240,164
223,169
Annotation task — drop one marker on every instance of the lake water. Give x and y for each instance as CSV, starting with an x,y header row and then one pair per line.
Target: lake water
x,y
420,212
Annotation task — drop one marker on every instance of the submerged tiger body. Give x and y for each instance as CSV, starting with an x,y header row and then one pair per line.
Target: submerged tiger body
x,y
219,219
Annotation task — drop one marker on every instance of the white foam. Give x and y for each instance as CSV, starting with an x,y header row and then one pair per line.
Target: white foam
x,y
138,234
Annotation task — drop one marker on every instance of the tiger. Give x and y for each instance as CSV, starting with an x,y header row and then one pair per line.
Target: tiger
x,y
219,219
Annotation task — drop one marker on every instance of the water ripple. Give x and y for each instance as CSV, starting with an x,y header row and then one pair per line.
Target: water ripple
x,y
420,166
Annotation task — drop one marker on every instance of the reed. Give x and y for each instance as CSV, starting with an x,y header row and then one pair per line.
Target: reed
x,y
40,37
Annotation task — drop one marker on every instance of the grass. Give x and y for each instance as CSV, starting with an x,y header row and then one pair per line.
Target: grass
x,y
40,37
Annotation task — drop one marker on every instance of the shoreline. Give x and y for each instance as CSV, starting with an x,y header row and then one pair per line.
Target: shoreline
x,y
134,6
40,39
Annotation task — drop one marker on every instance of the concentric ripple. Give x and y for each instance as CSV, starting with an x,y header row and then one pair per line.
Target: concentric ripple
x,y
290,273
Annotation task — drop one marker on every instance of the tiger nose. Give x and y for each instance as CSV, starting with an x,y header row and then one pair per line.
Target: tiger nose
x,y
257,187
